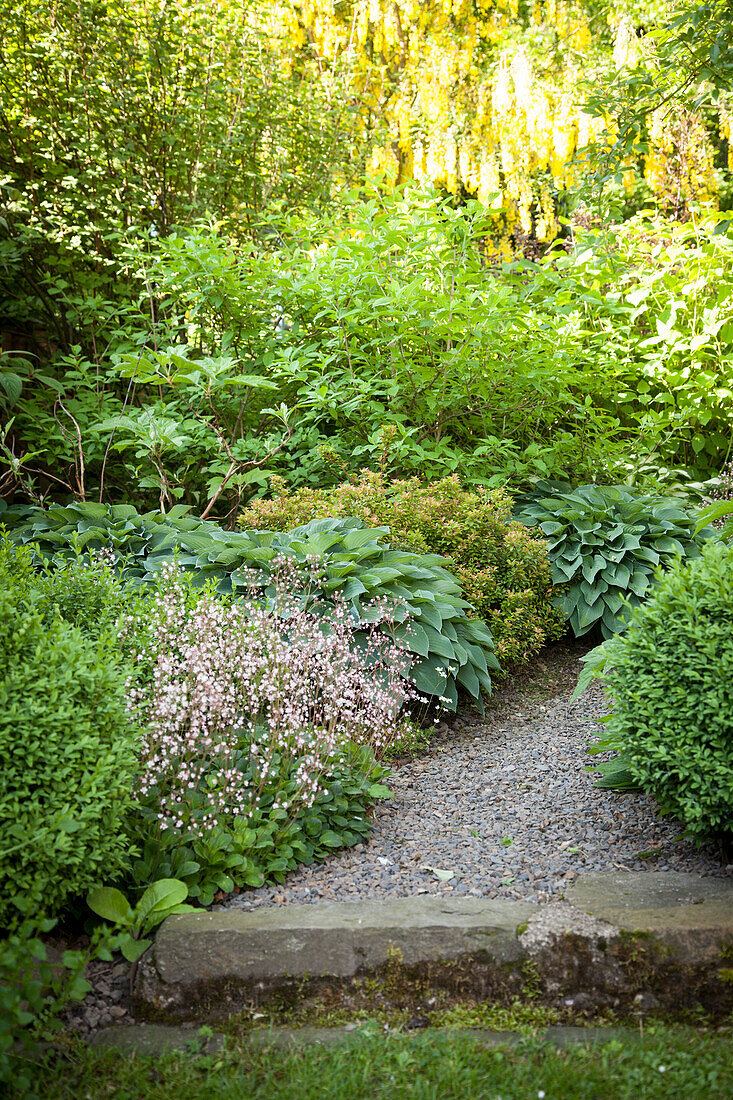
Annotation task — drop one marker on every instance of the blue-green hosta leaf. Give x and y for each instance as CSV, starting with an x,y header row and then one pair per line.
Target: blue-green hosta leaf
x,y
594,566
669,545
562,571
645,553
352,588
611,623
414,637
430,616
438,642
586,616
639,583
620,575
427,678
468,679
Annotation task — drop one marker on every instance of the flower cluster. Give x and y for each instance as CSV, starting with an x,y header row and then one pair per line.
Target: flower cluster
x,y
242,701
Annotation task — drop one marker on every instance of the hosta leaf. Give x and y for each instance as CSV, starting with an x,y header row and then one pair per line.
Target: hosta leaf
x,y
427,679
438,643
468,679
639,583
620,575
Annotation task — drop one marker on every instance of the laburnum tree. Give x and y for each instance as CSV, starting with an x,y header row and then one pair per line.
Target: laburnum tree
x,y
497,98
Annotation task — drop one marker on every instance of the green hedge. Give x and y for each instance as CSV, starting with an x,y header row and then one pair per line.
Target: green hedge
x,y
68,752
670,679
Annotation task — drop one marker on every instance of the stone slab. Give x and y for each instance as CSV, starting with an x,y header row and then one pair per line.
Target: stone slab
x,y
642,901
619,940
155,1039
334,940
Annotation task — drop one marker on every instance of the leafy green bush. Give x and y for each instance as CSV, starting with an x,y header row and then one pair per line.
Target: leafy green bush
x,y
96,170
502,568
450,649
375,338
670,679
604,544
646,305
68,751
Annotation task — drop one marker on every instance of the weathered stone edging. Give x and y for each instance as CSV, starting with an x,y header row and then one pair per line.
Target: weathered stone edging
x,y
154,1039
620,940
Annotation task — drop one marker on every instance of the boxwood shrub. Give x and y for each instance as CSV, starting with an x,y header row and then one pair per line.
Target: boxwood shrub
x,y
670,679
68,752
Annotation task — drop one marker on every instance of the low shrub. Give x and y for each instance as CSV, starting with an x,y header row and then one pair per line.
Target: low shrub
x,y
450,650
670,679
502,568
605,544
68,751
260,725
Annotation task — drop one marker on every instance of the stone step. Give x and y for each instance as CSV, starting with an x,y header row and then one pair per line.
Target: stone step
x,y
155,1039
629,941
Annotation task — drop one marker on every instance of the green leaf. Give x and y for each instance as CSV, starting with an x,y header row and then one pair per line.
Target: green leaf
x,y
161,896
111,904
133,949
330,839
378,790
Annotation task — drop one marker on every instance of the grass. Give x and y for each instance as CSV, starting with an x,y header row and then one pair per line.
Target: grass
x,y
666,1064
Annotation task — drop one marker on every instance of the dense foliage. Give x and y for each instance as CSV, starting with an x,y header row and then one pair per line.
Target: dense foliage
x,y
605,544
69,752
669,677
123,121
259,729
647,303
204,299
502,569
336,558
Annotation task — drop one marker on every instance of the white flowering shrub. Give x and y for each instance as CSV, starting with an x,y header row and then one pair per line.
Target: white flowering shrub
x,y
249,709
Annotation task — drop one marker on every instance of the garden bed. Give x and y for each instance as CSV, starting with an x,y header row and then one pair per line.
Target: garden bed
x,y
518,773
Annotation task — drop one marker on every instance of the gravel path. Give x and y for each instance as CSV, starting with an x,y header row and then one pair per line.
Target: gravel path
x,y
501,807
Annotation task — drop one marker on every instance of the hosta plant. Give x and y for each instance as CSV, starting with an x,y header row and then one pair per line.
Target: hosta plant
x,y
335,558
605,543
502,568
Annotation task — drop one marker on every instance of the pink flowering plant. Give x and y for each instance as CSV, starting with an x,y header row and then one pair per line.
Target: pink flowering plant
x,y
262,720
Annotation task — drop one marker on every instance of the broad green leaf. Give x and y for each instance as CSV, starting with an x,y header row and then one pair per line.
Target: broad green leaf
x,y
111,904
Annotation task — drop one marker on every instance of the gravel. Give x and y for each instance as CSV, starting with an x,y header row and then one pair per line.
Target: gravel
x,y
501,806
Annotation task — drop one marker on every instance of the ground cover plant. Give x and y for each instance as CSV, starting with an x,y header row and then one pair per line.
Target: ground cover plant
x,y
605,544
502,568
669,681
664,1064
260,727
430,616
